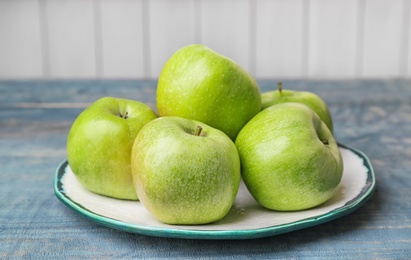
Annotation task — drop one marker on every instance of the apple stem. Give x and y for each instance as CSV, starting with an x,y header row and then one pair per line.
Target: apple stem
x,y
280,87
198,131
325,142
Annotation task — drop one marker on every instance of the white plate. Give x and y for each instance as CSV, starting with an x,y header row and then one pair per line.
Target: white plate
x,y
247,219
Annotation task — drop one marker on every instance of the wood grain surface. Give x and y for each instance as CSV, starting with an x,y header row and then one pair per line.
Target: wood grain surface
x,y
35,116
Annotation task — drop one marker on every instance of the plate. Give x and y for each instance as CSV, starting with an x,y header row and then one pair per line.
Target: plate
x,y
245,220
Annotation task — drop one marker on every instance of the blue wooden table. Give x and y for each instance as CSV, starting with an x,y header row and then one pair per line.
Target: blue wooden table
x,y
373,116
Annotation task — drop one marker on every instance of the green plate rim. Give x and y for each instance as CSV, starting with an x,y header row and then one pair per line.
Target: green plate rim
x,y
174,232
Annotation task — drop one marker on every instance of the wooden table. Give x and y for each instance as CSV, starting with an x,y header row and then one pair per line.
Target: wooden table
x,y
373,116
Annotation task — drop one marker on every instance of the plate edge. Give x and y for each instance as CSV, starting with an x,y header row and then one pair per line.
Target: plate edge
x,y
346,209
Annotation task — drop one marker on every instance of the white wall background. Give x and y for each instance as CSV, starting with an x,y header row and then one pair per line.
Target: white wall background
x,y
105,39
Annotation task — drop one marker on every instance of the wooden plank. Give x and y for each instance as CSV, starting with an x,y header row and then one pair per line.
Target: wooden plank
x,y
332,38
372,116
382,39
122,39
20,41
225,27
279,46
71,38
171,26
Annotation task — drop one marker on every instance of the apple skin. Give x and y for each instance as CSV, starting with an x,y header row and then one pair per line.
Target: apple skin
x,y
99,145
200,84
182,178
290,159
310,99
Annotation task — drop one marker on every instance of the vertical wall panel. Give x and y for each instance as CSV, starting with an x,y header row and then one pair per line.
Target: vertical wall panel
x,y
20,43
71,38
407,39
382,38
122,39
279,43
332,38
225,27
171,26
270,38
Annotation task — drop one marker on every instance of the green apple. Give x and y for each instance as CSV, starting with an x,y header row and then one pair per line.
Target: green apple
x,y
200,84
289,158
185,172
308,98
99,145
